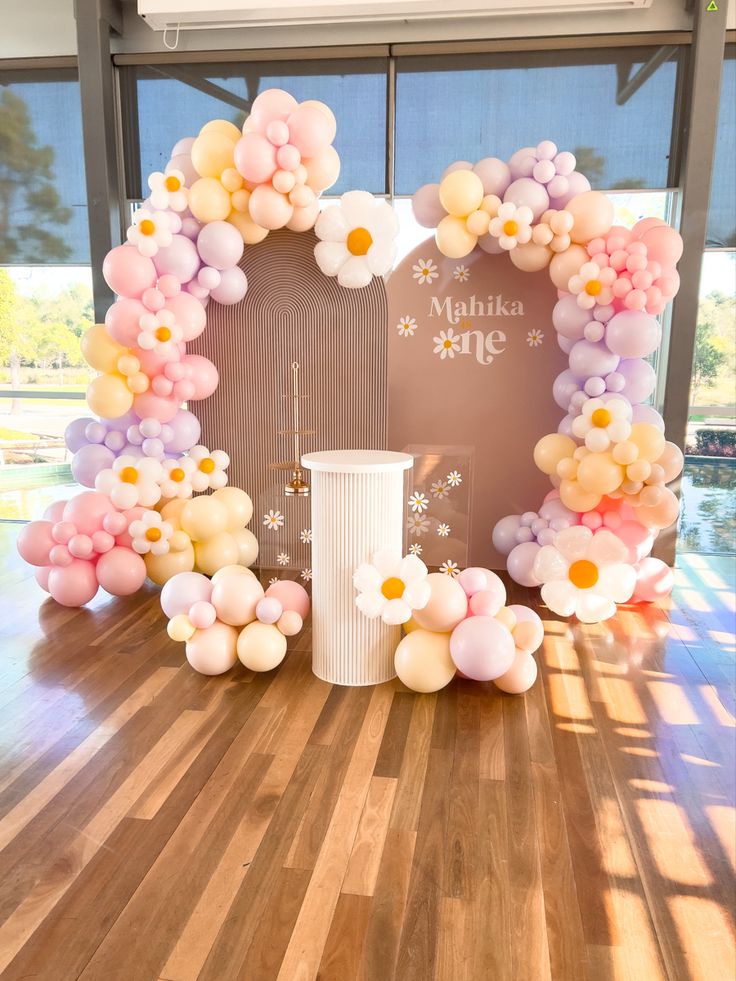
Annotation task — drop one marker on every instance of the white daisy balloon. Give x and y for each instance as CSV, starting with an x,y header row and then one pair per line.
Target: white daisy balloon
x,y
358,239
176,479
512,225
168,191
390,587
131,481
602,423
585,574
150,231
209,469
150,533
593,285
160,333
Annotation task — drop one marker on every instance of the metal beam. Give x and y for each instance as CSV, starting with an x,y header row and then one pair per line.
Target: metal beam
x,y
95,19
700,131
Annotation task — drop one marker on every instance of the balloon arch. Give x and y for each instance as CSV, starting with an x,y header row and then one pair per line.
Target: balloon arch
x,y
148,511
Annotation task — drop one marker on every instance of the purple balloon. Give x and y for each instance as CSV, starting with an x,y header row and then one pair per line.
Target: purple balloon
x,y
191,228
233,286
520,564
564,387
187,431
121,423
494,174
180,259
526,191
576,184
74,434
639,377
220,245
482,648
565,426
184,145
521,164
183,162
504,533
588,359
456,165
88,461
569,319
647,413
565,343
633,334
183,590
427,206
489,244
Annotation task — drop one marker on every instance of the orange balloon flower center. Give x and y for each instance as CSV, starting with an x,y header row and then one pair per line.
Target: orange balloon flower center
x,y
153,534
207,465
172,183
593,287
583,574
177,474
129,475
601,418
359,241
146,227
163,334
393,588
510,227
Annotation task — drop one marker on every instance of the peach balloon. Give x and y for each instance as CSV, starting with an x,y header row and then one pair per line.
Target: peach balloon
x,y
160,568
208,200
180,628
453,239
599,473
671,461
592,214
461,192
251,233
213,650
649,439
565,265
109,396
447,605
235,598
322,170
100,350
290,623
505,616
212,152
527,617
521,675
531,257
423,661
222,126
268,208
292,596
551,449
302,219
662,514
576,498
232,570
202,518
215,552
261,646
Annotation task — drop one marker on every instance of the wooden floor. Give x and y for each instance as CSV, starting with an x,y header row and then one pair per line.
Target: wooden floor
x,y
158,824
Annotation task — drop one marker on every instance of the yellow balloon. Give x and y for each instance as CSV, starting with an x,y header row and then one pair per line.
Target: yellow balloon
x,y
239,506
461,192
212,152
649,439
423,661
222,126
251,233
410,626
100,350
261,646
180,627
323,170
231,180
565,265
109,396
160,568
573,496
551,449
531,257
171,511
247,546
599,473
202,518
232,570
208,200
215,552
453,239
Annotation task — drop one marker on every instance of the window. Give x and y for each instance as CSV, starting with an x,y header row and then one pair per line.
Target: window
x,y
722,214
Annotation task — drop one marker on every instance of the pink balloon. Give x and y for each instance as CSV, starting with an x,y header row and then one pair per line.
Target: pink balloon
x,y
664,245
268,208
487,602
80,546
122,321
202,614
654,581
87,511
213,651
180,259
60,555
41,575
473,580
182,591
482,648
162,408
204,375
271,104
232,288
310,130
643,225
637,539
427,206
121,571
63,531
189,315
255,157
55,512
102,541
35,542
74,584
128,273
291,595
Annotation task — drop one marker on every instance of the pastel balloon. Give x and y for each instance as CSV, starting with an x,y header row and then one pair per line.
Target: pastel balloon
x,y
526,616
649,439
639,377
461,192
268,208
589,358
235,598
520,676
161,568
453,239
633,334
180,259
531,257
487,602
504,533
654,581
261,646
75,435
208,200
186,431
99,349
88,461
423,662
269,610
662,514
569,319
495,175
182,591
35,541
671,460
565,265
664,244
214,552
220,245
565,385
238,505
577,498
482,648
121,571
577,183
109,396
520,562
527,192
310,129
637,539
427,206
599,473
180,627
474,579
87,511
247,545
127,272
232,287
74,584
290,623
234,570
212,151
292,596
592,215
322,169
202,614
447,604
551,449
255,157
213,651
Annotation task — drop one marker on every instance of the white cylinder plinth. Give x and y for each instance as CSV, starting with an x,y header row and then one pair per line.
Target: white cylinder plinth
x,y
357,509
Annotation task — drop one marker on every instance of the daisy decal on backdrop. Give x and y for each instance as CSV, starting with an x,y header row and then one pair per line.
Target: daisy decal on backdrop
x,y
406,327
424,271
535,337
602,423
418,502
176,479
150,231
273,520
306,536
417,525
160,334
454,478
168,191
391,587
415,549
450,568
150,533
439,489
447,344
512,225
273,580
358,239
131,481
443,530
282,558
306,575
585,574
461,274
209,472
593,285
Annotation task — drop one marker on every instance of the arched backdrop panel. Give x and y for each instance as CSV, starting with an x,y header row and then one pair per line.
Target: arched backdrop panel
x,y
292,312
